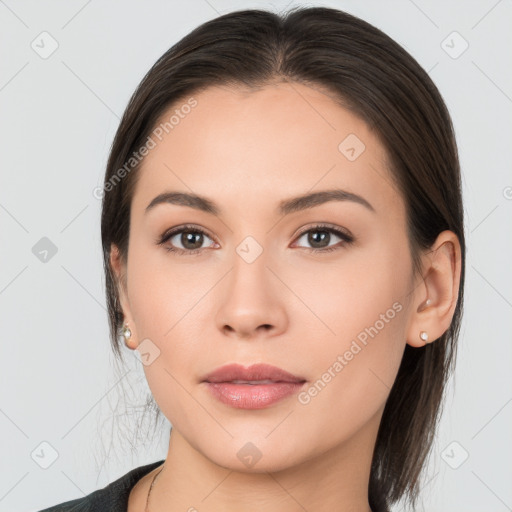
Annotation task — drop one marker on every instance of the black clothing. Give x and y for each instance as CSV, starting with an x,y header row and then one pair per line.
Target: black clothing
x,y
112,498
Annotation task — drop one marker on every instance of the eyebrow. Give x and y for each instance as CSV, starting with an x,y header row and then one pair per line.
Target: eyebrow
x,y
285,207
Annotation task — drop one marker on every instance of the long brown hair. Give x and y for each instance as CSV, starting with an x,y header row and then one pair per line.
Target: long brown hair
x,y
376,79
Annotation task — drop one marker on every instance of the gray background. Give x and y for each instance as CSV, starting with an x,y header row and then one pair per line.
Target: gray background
x,y
59,384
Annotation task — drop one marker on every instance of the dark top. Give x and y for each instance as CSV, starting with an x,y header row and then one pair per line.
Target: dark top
x,y
112,498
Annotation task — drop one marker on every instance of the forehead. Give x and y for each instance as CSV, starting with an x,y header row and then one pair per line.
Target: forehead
x,y
243,147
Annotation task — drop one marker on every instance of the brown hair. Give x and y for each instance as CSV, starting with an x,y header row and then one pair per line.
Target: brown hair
x,y
380,82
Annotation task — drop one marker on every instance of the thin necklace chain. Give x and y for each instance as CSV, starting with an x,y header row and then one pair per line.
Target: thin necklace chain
x,y
151,488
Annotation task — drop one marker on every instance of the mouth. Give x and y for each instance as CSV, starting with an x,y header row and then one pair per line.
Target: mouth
x,y
255,387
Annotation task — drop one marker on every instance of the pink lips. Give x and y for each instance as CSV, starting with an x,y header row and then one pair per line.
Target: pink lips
x,y
255,387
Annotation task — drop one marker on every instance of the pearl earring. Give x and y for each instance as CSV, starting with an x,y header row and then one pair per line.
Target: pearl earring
x,y
424,336
127,333
428,302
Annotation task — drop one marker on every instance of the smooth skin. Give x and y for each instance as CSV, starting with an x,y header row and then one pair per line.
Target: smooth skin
x,y
290,307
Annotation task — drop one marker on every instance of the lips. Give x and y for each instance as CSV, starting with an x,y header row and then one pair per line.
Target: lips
x,y
256,374
255,387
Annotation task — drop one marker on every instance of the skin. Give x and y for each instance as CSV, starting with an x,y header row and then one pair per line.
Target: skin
x,y
247,151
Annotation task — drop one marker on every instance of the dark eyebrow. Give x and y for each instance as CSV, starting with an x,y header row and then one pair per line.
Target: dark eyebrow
x,y
185,199
316,198
285,207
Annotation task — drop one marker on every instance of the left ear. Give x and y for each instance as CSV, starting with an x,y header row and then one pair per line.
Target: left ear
x,y
441,279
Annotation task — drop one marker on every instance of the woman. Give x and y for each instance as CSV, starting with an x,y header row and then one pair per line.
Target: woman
x,y
283,240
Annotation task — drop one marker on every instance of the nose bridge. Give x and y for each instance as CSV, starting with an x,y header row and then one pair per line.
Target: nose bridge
x,y
250,266
250,297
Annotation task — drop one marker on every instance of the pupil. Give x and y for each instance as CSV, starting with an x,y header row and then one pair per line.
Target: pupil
x,y
312,239
188,237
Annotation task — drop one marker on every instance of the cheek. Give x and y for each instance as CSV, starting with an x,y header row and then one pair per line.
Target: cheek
x,y
349,292
170,304
164,290
168,309
361,302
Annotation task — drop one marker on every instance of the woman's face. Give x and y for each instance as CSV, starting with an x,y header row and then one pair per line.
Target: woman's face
x,y
260,289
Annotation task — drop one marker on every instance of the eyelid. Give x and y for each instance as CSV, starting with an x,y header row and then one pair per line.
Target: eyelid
x,y
186,227
327,226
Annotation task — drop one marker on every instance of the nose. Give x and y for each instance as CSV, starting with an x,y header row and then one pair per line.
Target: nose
x,y
252,300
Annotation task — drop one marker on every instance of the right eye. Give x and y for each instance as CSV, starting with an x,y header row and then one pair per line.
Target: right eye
x,y
190,237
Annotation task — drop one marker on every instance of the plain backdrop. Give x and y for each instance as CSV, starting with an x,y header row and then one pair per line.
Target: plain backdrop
x,y
65,426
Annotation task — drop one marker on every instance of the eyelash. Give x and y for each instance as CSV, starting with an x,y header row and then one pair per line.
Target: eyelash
x,y
347,239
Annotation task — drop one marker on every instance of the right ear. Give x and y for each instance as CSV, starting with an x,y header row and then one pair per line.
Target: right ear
x,y
119,271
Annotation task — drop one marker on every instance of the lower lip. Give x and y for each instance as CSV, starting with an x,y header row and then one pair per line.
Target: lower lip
x,y
252,396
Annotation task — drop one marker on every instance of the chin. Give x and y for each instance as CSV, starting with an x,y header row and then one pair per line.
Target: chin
x,y
246,456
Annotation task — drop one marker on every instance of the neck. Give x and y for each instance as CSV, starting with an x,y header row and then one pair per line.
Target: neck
x,y
335,480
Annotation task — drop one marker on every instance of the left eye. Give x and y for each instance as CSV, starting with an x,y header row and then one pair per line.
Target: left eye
x,y
325,234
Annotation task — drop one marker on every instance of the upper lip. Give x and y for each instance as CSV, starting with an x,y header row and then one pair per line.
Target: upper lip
x,y
255,372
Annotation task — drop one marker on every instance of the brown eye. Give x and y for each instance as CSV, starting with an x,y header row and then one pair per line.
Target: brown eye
x,y
184,240
320,236
190,240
